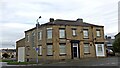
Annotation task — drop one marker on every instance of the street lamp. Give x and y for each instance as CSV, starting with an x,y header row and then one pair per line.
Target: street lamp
x,y
37,25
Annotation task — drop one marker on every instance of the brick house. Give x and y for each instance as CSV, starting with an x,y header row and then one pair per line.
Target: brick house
x,y
64,39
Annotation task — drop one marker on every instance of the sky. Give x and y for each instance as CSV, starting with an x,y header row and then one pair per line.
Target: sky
x,y
17,16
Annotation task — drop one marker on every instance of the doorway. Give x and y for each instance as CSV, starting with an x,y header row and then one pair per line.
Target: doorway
x,y
75,50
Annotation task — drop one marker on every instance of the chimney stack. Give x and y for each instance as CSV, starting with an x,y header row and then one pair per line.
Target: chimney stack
x,y
80,20
51,19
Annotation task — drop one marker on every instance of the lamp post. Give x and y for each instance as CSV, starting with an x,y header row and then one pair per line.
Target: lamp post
x,y
37,25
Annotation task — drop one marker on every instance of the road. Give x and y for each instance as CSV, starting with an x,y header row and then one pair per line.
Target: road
x,y
109,61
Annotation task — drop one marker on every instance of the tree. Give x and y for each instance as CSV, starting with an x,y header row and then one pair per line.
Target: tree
x,y
6,55
116,45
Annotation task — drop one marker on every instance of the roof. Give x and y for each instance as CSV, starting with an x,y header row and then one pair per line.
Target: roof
x,y
117,34
66,22
20,39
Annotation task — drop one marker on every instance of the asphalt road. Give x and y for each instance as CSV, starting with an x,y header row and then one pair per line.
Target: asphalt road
x,y
112,62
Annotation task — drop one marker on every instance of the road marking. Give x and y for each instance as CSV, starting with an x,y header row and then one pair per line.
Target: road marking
x,y
108,63
112,63
101,64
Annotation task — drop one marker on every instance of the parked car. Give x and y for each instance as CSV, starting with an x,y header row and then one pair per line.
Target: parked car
x,y
110,52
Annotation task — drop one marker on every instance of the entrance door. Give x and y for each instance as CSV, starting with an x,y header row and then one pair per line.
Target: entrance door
x,y
75,50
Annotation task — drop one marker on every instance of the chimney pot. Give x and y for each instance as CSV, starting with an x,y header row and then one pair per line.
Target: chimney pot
x,y
51,19
79,20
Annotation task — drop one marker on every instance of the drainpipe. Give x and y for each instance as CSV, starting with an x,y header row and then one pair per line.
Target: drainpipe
x,y
93,40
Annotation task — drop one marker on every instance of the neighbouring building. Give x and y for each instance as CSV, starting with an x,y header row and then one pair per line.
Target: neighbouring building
x,y
64,39
10,52
117,35
109,42
20,50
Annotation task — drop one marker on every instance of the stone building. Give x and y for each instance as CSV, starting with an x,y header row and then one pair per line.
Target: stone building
x,y
64,39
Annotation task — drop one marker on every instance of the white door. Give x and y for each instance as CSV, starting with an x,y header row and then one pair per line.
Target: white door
x,y
21,54
100,50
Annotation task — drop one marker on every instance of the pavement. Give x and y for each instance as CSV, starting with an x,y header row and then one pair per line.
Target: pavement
x,y
3,64
109,61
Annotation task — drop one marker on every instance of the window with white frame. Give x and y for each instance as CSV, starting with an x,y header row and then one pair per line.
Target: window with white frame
x,y
61,33
74,32
86,48
40,50
49,33
99,48
62,48
98,32
49,49
40,35
85,32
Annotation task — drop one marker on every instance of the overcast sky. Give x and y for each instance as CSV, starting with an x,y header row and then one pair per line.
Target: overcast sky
x,y
17,16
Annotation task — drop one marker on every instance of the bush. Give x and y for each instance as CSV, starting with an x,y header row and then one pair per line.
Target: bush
x,y
116,45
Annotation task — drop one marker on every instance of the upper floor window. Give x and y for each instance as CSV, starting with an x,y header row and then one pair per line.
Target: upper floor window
x,y
85,32
98,32
49,33
33,41
27,38
33,35
74,32
61,33
49,49
40,35
62,49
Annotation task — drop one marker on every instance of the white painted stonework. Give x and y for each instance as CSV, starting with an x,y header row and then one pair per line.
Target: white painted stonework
x,y
100,53
21,54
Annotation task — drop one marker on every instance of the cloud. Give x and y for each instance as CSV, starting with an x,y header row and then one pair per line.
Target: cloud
x,y
11,32
21,15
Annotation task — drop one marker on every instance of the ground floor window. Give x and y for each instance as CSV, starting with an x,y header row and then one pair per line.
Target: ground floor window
x,y
62,49
40,50
49,49
99,48
86,48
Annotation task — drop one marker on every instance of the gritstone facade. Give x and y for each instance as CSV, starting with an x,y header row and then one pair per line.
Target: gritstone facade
x,y
64,39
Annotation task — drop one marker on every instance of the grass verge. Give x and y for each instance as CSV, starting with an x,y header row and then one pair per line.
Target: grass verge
x,y
7,60
20,63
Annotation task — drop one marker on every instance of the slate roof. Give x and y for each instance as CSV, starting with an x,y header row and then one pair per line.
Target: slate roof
x,y
66,22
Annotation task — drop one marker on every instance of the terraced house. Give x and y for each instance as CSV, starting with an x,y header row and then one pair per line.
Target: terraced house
x,y
64,39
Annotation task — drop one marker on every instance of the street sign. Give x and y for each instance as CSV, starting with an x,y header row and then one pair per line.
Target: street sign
x,y
37,49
